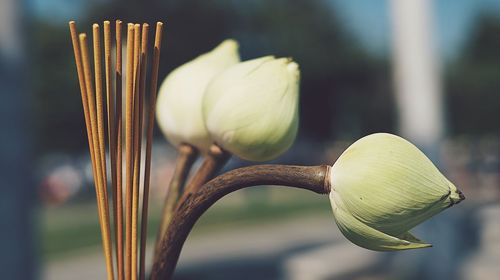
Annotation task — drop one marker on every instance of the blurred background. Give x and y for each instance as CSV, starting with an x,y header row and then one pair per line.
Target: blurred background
x,y
426,70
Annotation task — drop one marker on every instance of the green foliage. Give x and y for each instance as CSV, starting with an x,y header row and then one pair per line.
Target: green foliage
x,y
474,81
58,113
344,91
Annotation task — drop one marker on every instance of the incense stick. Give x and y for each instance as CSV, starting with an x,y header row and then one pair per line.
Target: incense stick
x,y
110,102
149,140
81,79
100,107
119,195
110,99
95,122
100,185
128,149
100,127
142,91
137,146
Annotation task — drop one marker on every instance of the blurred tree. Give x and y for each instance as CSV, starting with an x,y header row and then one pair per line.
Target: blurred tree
x,y
474,80
57,104
345,91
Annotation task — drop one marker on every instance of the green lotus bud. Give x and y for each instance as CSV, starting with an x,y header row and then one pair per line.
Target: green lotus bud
x,y
251,109
179,105
381,187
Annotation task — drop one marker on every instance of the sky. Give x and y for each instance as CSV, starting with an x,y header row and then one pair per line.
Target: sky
x,y
453,19
368,20
56,10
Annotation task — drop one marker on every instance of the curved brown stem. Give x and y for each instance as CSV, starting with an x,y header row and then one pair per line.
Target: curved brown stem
x,y
185,159
313,178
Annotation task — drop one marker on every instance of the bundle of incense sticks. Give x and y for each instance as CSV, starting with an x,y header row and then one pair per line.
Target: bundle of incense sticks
x,y
137,111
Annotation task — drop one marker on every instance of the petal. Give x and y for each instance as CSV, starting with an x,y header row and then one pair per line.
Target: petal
x,y
368,237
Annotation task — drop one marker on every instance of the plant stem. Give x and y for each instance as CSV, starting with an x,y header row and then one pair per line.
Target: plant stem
x,y
214,160
313,178
185,159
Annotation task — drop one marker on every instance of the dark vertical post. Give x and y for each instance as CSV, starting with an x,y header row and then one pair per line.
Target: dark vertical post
x,y
17,194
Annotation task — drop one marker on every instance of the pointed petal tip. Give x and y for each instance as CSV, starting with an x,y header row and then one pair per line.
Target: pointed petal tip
x,y
456,201
230,44
411,242
413,246
402,246
454,196
292,66
410,246
422,246
461,196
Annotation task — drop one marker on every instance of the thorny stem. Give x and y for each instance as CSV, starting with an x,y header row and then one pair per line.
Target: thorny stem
x,y
314,178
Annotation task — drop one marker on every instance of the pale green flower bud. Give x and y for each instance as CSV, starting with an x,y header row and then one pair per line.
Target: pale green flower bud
x,y
179,105
381,187
251,109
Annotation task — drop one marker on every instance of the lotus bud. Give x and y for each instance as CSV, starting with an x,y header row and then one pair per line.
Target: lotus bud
x,y
381,187
179,104
251,109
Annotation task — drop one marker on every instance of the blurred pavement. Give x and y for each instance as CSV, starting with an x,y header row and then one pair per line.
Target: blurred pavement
x,y
217,251
484,264
302,248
